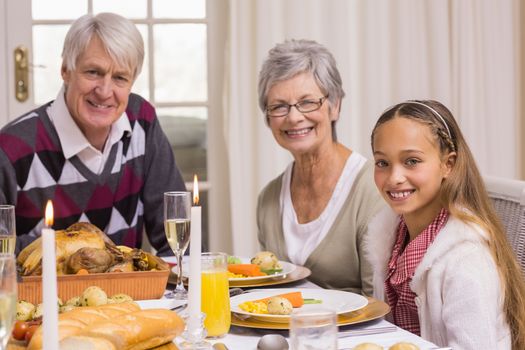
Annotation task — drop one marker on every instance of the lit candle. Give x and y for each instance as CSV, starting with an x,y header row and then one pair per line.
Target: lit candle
x,y
49,283
194,293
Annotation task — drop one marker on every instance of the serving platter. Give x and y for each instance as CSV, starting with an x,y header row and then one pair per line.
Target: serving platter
x,y
340,301
373,310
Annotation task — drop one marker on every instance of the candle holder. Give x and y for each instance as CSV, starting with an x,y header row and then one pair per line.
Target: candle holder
x,y
194,338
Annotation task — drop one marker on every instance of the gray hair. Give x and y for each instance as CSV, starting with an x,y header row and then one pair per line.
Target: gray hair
x,y
294,57
120,37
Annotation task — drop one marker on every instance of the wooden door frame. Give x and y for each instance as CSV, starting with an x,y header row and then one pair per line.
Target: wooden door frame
x,y
4,108
15,20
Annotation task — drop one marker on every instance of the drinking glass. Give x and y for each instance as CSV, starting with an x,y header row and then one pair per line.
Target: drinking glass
x,y
215,297
8,291
177,207
7,228
313,329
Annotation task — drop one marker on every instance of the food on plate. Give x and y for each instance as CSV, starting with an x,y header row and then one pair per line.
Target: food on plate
x,y
39,311
119,298
295,298
262,264
403,346
74,301
279,306
24,310
234,260
368,346
19,330
93,296
267,262
83,248
248,270
254,307
261,306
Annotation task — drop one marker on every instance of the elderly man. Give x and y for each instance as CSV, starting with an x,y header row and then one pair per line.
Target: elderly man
x,y
97,151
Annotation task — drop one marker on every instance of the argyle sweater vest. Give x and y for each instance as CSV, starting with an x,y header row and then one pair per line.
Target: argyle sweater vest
x,y
33,169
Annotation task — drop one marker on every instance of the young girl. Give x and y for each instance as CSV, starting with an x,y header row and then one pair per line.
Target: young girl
x,y
440,254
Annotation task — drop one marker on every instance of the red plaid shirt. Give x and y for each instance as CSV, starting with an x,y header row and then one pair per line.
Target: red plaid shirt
x,y
401,268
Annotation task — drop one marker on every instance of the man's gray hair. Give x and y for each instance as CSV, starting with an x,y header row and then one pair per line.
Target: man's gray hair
x,y
120,37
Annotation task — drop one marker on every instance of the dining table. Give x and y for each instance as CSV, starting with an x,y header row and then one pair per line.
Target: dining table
x,y
244,337
378,331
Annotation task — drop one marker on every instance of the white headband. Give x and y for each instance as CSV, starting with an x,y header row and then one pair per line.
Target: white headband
x,y
436,113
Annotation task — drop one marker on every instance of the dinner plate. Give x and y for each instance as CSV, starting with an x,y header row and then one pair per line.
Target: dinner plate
x,y
160,303
340,301
373,310
299,273
287,269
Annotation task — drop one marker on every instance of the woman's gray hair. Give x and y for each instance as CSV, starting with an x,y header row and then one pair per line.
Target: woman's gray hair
x,y
293,57
120,37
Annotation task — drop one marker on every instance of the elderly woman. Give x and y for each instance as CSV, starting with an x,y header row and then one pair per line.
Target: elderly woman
x,y
97,150
316,213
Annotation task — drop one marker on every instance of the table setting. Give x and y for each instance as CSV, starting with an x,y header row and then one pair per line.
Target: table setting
x,y
215,301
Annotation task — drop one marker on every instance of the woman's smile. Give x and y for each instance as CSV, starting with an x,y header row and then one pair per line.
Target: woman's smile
x,y
296,133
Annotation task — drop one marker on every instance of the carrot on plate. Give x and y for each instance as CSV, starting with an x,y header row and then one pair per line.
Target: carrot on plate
x,y
295,298
250,270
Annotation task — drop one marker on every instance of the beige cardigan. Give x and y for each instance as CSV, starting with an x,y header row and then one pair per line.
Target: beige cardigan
x,y
337,262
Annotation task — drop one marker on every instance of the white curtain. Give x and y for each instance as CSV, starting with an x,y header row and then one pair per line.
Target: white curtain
x,y
460,52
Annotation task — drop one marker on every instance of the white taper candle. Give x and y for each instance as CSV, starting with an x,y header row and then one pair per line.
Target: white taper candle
x,y
49,284
194,293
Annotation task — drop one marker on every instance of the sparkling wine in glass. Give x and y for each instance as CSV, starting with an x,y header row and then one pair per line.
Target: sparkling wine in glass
x,y
177,207
7,229
8,293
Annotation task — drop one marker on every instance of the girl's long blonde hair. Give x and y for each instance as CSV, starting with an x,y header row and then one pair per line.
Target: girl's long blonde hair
x,y
464,189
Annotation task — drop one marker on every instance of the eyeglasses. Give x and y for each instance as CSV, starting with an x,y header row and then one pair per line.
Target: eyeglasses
x,y
304,106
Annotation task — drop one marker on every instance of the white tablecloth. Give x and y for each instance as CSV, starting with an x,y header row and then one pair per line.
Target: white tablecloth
x,y
242,338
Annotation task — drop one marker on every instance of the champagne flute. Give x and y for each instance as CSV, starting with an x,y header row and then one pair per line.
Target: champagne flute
x,y
7,228
177,207
8,291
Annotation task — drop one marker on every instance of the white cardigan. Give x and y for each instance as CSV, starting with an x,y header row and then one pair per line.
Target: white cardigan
x,y
457,285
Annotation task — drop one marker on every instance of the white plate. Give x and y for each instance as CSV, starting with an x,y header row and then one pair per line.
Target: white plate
x,y
340,301
287,268
160,303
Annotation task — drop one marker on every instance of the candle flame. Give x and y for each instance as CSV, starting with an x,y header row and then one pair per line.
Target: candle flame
x,y
49,213
195,190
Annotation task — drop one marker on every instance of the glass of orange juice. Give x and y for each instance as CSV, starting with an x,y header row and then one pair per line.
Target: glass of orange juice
x,y
215,297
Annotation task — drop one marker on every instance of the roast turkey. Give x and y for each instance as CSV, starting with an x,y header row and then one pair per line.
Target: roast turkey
x,y
68,241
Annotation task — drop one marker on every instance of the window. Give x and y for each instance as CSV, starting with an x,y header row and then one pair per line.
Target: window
x,y
174,76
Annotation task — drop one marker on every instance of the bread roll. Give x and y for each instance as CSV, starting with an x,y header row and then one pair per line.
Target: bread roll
x,y
72,322
368,346
139,330
403,346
